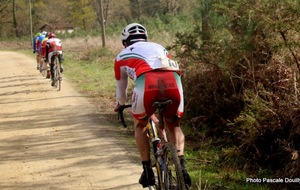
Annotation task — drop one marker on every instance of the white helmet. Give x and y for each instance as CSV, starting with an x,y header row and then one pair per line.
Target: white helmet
x,y
44,33
134,32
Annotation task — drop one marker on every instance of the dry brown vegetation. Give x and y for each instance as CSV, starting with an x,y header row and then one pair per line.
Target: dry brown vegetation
x,y
80,47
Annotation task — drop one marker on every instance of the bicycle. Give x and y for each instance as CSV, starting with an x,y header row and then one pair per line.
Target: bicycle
x,y
56,70
45,69
168,171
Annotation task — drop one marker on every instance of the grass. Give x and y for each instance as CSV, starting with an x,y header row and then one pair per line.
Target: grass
x,y
96,77
90,69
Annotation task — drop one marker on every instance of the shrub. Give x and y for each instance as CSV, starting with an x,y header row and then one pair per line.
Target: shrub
x,y
241,86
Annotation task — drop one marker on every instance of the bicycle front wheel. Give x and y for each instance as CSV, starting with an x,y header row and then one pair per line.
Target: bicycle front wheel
x,y
173,177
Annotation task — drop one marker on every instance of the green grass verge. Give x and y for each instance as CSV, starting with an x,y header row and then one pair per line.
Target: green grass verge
x,y
92,76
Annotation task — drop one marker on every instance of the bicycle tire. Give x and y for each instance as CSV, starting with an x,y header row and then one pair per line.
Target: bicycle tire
x,y
56,69
59,77
173,177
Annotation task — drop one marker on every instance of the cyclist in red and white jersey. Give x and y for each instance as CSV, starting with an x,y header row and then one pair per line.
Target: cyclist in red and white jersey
x,y
43,50
54,45
156,77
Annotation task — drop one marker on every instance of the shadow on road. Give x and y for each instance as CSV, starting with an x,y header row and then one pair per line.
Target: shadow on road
x,y
59,140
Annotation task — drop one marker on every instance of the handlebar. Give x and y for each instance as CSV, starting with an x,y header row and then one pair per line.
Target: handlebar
x,y
120,114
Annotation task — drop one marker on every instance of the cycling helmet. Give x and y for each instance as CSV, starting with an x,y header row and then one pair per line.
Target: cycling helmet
x,y
44,33
38,34
51,35
132,33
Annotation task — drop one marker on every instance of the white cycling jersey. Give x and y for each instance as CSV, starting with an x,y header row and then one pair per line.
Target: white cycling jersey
x,y
142,57
138,59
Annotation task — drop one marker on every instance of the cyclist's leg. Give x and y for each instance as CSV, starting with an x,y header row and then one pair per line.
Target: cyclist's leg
x,y
49,59
173,112
37,60
172,115
140,118
142,142
178,140
141,137
40,59
176,136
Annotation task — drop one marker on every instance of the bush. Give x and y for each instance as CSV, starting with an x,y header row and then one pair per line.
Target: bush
x,y
241,87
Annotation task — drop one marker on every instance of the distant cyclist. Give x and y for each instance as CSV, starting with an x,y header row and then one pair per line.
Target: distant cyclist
x,y
43,49
34,41
54,45
156,78
34,47
39,48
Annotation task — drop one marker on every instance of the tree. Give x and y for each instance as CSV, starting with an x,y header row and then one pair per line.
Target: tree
x,y
49,12
82,14
205,18
4,15
101,20
246,83
15,19
172,6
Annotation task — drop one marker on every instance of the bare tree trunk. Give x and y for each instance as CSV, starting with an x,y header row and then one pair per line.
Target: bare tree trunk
x,y
107,2
174,7
206,30
30,15
15,19
101,19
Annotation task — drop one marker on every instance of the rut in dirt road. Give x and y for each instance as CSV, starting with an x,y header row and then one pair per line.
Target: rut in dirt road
x,y
56,140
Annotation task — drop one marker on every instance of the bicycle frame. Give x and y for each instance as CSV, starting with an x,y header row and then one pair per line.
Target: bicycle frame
x,y
155,141
161,148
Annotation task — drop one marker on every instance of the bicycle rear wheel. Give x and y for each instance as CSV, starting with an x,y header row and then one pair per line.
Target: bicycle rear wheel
x,y
57,78
173,176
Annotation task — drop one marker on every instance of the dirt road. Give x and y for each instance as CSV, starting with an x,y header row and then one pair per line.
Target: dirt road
x,y
56,140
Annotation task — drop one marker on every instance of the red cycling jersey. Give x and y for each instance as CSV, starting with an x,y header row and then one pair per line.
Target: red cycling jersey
x,y
54,44
156,77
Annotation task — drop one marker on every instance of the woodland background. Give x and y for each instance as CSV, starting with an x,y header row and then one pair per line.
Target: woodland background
x,y
240,64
